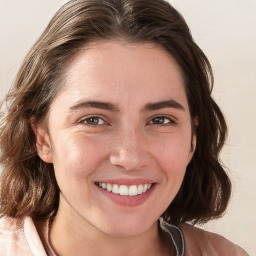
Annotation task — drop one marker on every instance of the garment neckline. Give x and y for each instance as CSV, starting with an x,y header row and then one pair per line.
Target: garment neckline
x,y
176,235
173,231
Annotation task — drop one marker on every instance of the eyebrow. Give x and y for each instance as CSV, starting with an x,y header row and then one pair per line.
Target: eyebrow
x,y
112,107
95,104
163,104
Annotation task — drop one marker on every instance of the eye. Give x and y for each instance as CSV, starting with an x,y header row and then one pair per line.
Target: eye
x,y
93,121
161,120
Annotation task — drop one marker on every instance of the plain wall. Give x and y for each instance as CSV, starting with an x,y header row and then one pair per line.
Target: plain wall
x,y
226,31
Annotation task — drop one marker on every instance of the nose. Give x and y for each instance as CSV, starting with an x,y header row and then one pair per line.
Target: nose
x,y
129,151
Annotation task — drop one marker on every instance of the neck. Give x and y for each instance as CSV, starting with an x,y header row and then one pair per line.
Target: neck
x,y
68,235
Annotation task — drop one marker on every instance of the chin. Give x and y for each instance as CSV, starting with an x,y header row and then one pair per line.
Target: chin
x,y
125,227
124,231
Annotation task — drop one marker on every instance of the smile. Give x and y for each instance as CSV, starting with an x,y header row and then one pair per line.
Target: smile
x,y
124,190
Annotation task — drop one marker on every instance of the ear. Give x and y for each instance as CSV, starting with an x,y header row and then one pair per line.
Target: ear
x,y
193,142
193,139
192,148
43,143
194,128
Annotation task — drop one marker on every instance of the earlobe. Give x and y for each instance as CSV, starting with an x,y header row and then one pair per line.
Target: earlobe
x,y
43,144
192,148
194,138
193,144
194,126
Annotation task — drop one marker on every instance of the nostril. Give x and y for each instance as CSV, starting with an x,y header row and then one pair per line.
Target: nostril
x,y
125,161
129,156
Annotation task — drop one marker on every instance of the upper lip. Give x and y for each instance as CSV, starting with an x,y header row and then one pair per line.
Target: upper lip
x,y
127,182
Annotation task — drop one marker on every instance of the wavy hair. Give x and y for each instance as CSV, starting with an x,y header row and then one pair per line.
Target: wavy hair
x,y
28,185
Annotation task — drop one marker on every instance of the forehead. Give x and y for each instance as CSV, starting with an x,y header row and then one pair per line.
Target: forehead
x,y
121,71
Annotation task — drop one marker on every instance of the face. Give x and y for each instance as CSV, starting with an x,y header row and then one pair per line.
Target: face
x,y
119,136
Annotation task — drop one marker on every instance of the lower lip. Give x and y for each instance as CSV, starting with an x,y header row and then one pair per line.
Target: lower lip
x,y
128,200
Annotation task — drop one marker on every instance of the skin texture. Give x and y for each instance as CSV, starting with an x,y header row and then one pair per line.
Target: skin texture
x,y
132,140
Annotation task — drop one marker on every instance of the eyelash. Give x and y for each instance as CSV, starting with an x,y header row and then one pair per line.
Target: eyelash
x,y
84,120
162,118
159,121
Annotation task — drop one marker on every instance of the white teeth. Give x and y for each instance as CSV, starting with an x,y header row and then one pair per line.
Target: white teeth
x,y
145,187
133,191
140,189
109,187
124,190
115,189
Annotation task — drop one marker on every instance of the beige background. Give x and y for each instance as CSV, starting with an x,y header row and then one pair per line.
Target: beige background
x,y
226,31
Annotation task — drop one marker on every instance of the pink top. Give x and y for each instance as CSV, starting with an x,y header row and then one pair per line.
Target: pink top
x,y
19,237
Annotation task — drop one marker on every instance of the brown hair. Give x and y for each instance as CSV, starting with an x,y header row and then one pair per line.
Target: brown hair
x,y
28,185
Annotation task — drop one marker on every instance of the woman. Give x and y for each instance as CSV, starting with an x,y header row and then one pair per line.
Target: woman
x,y
111,138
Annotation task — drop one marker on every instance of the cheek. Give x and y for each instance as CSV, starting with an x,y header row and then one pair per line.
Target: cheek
x,y
77,157
174,152
172,161
173,164
173,157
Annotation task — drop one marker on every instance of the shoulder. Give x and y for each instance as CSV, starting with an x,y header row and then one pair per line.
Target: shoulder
x,y
201,242
19,237
12,239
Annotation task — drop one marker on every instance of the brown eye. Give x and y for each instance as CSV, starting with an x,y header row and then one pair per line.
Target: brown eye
x,y
161,120
93,120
